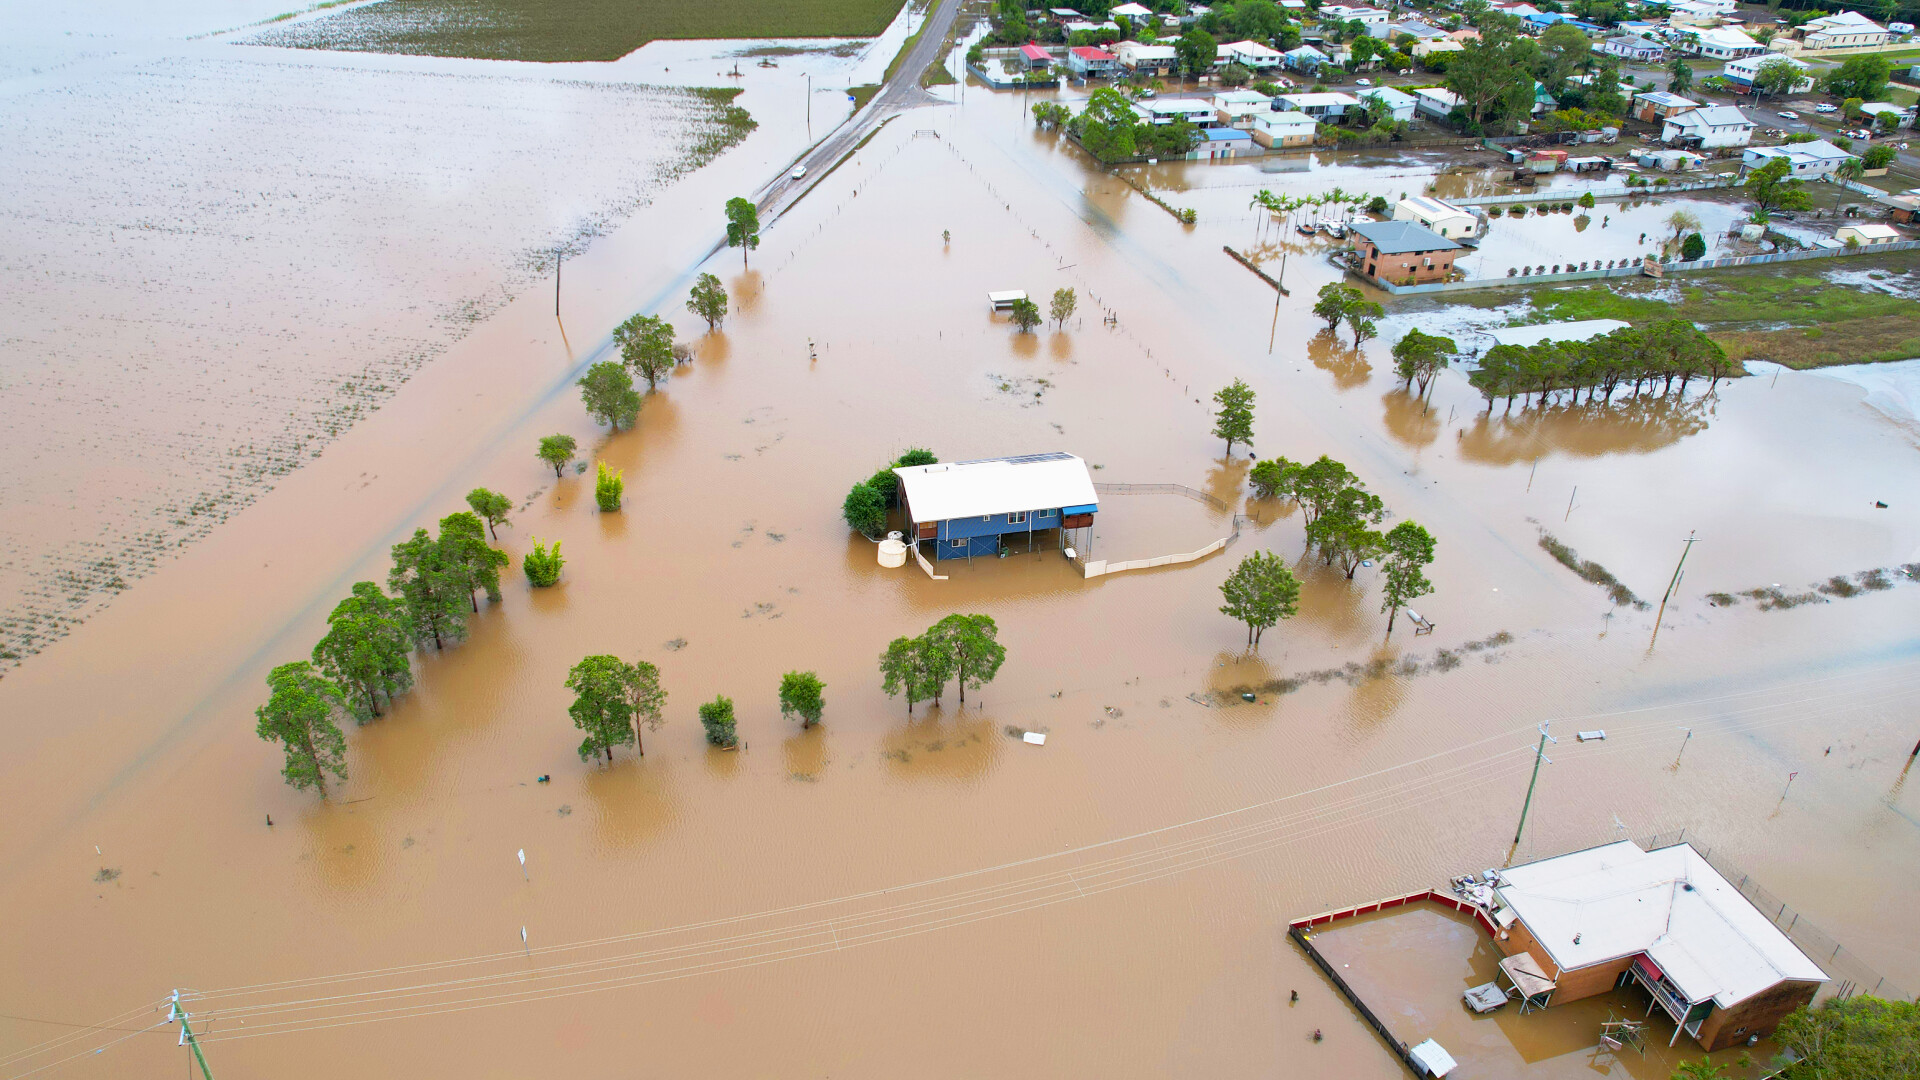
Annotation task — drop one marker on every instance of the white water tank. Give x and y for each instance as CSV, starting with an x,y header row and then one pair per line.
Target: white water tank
x,y
893,550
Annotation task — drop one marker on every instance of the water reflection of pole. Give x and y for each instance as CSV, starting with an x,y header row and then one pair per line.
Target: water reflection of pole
x,y
1539,755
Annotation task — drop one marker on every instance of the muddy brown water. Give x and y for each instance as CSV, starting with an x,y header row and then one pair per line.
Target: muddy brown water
x,y
885,895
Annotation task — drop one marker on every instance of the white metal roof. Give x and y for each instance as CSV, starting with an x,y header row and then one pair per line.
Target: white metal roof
x,y
1434,1058
996,486
1608,902
1583,330
1431,209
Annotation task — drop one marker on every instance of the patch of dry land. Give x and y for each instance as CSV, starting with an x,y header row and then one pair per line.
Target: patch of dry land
x,y
212,263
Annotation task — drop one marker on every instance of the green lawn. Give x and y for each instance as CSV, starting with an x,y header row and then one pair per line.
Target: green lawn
x,y
1789,313
564,30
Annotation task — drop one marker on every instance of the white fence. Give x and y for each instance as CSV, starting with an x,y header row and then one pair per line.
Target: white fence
x,y
1571,195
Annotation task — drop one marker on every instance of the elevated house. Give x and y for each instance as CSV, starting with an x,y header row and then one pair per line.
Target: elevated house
x,y
1152,59
1711,127
1361,13
1325,107
1743,71
1817,158
1638,49
1305,59
1722,43
1237,108
1090,63
1251,55
969,508
1664,921
1394,104
1402,252
1222,142
1035,58
1271,129
1435,102
1659,106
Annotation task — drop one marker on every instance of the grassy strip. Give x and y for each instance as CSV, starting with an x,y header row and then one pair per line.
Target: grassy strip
x,y
549,31
862,94
905,46
1591,571
1744,309
1184,217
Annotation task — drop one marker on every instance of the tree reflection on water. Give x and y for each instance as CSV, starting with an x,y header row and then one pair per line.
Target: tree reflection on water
x,y
1632,426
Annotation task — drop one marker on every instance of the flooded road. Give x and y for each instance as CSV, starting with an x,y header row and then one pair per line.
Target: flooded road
x,y
867,897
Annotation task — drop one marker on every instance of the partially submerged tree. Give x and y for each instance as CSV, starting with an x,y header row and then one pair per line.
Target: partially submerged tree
x,y
298,715
432,588
865,510
609,395
743,227
542,564
1233,420
646,345
1409,550
608,486
972,650
1062,307
647,700
492,507
1321,485
1360,316
601,708
1344,533
1420,356
365,649
1260,592
1773,189
910,666
469,558
1275,478
1334,300
1025,314
801,697
1854,1038
708,300
556,450
716,717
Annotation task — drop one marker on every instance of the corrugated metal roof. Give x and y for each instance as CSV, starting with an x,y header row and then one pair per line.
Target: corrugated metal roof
x,y
1616,900
996,486
1400,237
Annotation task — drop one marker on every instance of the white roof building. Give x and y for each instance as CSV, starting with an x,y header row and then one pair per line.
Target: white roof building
x,y
1725,43
1817,158
1251,54
1444,218
1844,30
972,489
1397,104
1434,101
1350,12
1670,905
1710,127
1747,68
1132,11
1133,54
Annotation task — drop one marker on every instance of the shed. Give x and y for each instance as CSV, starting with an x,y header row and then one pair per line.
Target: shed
x,y
1866,234
1035,57
1003,301
1222,142
1442,217
969,508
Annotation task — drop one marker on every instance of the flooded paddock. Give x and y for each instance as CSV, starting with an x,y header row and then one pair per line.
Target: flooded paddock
x,y
867,897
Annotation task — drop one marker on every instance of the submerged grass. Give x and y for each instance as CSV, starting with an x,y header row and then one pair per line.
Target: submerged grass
x,y
1787,313
1591,571
1353,674
542,30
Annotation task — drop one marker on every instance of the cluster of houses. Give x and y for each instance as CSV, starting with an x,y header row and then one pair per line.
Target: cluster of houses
x,y
1710,29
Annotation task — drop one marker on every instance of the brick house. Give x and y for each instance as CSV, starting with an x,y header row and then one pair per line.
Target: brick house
x,y
1393,251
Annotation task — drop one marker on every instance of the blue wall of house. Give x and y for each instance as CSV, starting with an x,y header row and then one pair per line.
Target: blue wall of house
x,y
959,538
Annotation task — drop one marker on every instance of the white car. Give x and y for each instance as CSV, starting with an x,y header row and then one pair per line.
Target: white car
x,y
1823,107
798,172
1789,114
1363,82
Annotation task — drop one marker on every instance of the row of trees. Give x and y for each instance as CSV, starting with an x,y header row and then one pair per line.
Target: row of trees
x,y
1642,356
865,507
614,699
363,661
1491,74
963,649
1341,517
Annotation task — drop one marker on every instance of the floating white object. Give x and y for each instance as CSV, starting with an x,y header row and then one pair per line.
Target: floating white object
x,y
1037,738
1590,736
1072,554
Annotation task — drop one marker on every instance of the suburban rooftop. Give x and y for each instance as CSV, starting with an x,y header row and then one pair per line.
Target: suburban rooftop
x,y
960,489
1400,237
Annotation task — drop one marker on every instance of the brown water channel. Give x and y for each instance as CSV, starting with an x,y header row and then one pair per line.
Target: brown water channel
x,y
883,896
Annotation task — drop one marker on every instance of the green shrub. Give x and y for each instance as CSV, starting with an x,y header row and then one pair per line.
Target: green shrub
x,y
717,717
865,510
1493,211
1693,248
1518,211
608,486
1878,157
1377,205
543,566
1586,200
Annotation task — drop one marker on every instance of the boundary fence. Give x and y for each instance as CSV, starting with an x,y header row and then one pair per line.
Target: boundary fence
x,y
1635,269
1093,568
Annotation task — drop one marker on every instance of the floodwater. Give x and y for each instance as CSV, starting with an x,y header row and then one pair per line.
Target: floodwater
x,y
890,895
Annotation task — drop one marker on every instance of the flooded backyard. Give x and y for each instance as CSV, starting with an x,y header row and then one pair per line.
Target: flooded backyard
x,y
1112,903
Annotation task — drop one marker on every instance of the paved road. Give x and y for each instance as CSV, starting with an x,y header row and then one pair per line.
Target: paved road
x,y
902,92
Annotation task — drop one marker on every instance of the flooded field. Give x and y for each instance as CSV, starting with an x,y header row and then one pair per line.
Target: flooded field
x,y
1112,903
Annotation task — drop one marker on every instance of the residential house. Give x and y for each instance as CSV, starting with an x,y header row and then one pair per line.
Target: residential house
x,y
1442,217
1721,43
1902,118
1543,102
1848,29
1743,71
1395,104
1151,59
1134,13
1464,34
1222,142
1428,48
969,508
1664,921
1515,8
1402,252
1284,129
1091,63
1808,159
1035,58
1435,102
1371,16
1250,54
1865,234
1658,106
1293,5
1710,127
1195,111
1306,59
1064,16
1638,49
1694,14
1394,31
1327,108
1237,108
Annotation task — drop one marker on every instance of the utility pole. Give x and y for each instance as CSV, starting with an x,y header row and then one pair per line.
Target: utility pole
x,y
1684,742
1539,755
556,284
1691,540
187,1037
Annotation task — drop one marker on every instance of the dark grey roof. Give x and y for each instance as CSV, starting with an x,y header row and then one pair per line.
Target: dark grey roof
x,y
1399,237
